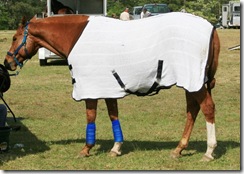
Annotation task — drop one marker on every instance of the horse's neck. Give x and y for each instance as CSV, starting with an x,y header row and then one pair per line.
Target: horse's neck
x,y
58,34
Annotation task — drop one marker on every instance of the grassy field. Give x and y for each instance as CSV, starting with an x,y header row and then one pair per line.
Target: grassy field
x,y
53,124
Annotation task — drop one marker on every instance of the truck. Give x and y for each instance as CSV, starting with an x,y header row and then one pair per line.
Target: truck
x,y
231,14
136,12
79,7
156,9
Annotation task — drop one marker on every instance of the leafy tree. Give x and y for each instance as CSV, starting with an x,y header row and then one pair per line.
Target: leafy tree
x,y
18,10
208,9
115,8
11,11
4,19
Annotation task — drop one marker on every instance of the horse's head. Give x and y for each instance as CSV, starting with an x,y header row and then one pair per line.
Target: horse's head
x,y
22,48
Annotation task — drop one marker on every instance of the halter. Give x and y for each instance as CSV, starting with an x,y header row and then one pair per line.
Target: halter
x,y
28,56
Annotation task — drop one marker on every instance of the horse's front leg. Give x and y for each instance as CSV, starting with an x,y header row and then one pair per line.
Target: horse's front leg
x,y
91,112
117,131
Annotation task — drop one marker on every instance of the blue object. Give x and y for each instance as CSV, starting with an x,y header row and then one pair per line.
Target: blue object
x,y
118,135
91,133
19,47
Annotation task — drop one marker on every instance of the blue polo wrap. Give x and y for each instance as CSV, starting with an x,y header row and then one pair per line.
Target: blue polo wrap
x,y
118,135
91,133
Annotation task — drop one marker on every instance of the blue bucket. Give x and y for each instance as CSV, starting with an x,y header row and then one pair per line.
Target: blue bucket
x,y
4,138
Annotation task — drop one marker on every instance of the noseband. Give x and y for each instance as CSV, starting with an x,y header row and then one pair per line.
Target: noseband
x,y
28,56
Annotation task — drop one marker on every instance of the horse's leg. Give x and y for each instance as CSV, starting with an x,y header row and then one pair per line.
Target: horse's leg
x,y
192,110
208,109
207,106
117,132
91,109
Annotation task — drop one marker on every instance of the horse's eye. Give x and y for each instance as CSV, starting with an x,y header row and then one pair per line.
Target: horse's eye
x,y
14,39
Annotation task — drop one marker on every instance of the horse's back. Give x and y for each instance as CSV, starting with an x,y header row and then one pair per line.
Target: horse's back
x,y
134,49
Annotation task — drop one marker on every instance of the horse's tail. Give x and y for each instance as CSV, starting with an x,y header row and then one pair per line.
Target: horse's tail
x,y
213,60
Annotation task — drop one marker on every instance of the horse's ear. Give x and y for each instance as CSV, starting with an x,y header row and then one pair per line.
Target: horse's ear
x,y
23,21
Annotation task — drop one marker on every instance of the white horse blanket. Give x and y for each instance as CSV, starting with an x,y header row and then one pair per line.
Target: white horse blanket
x,y
114,58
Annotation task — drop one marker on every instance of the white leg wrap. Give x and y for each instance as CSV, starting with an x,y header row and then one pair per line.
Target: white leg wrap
x,y
117,148
211,139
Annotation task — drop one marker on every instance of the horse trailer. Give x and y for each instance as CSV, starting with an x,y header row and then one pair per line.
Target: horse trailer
x,y
84,7
231,14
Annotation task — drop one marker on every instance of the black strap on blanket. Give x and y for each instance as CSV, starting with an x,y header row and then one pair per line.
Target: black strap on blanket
x,y
73,79
153,87
122,85
70,67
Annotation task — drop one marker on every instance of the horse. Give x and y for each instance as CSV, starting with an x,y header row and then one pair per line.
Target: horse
x,y
49,33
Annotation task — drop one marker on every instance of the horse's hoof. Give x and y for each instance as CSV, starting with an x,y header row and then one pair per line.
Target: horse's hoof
x,y
82,155
113,154
175,155
206,158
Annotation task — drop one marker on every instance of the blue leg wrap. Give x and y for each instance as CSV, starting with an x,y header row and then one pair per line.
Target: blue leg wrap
x,y
91,133
118,135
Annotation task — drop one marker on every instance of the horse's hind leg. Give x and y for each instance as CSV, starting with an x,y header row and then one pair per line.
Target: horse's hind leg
x,y
91,112
208,109
117,131
192,110
204,99
207,105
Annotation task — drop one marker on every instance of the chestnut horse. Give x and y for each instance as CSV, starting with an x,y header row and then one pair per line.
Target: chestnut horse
x,y
59,35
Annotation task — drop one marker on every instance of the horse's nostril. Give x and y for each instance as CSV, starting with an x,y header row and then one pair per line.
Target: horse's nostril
x,y
6,64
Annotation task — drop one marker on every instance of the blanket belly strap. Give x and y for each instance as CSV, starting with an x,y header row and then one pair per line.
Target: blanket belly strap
x,y
153,87
72,79
70,67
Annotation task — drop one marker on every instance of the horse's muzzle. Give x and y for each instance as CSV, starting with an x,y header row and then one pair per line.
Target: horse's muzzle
x,y
8,65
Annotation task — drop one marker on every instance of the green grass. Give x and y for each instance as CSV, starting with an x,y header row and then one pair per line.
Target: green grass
x,y
53,124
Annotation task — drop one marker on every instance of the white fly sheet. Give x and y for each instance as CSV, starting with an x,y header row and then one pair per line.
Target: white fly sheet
x,y
113,58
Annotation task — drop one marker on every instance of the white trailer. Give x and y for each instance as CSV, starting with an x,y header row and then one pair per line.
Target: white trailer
x,y
231,14
85,7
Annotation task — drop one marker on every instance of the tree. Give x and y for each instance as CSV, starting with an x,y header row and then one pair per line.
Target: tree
x,y
115,8
3,17
12,11
208,9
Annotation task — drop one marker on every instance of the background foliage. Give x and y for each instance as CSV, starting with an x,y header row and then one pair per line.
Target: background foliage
x,y
11,11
